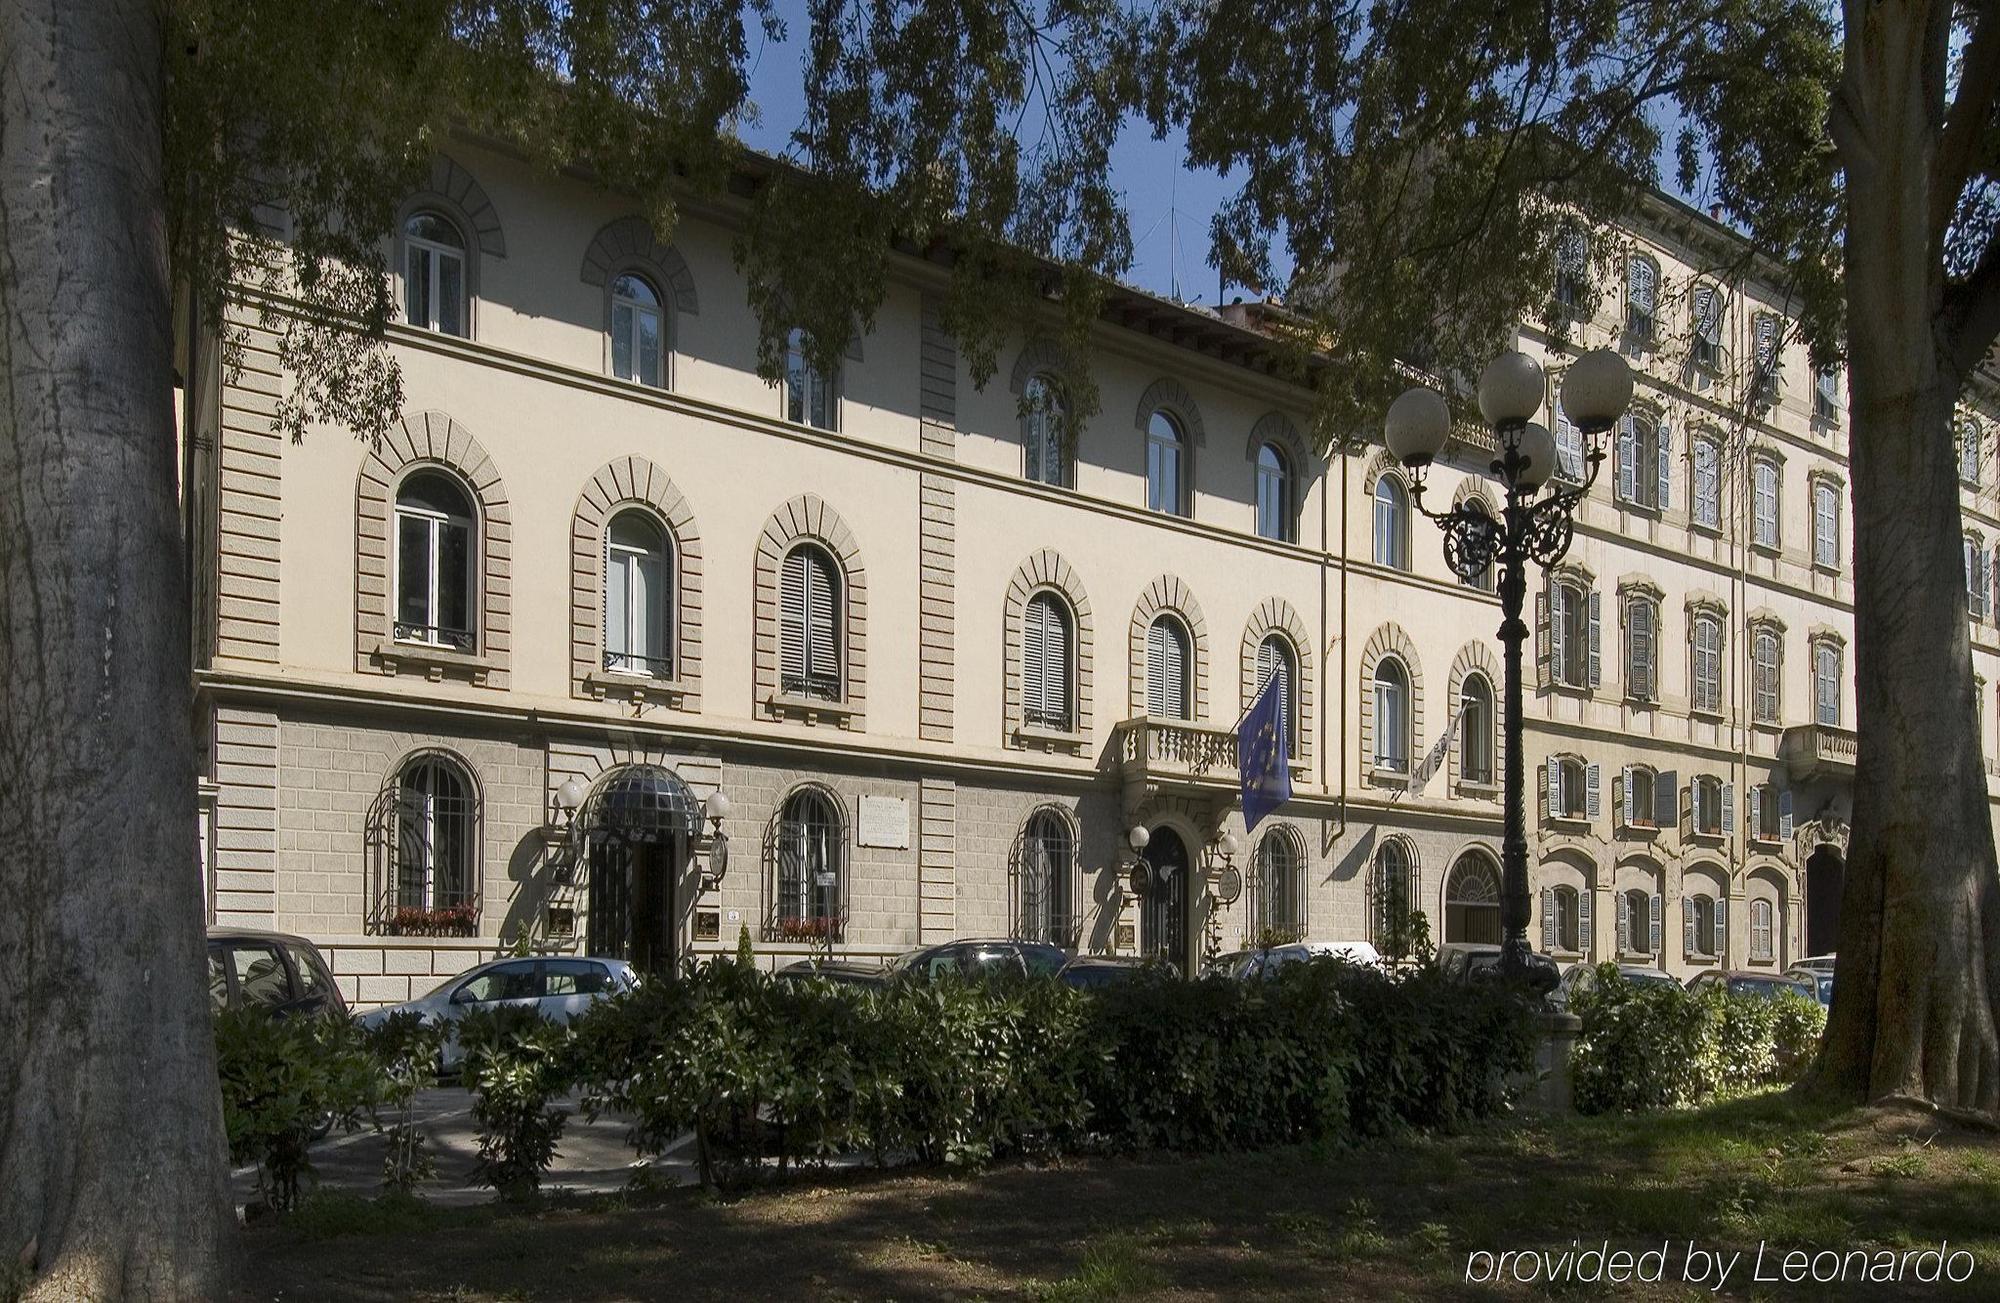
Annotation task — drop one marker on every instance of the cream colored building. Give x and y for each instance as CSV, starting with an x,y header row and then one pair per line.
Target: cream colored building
x,y
939,670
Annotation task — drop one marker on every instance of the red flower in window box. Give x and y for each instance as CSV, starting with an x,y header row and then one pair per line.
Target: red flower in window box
x,y
440,921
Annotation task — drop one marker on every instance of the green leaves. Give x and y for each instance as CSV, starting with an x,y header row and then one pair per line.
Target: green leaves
x,y
284,1081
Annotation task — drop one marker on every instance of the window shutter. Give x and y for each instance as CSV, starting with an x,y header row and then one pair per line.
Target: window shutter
x,y
1721,928
1628,456
1590,801
1666,799
1552,787
1157,639
1756,809
1034,652
1548,920
1544,639
1055,666
1785,814
792,622
612,605
823,657
1625,795
1653,924
1687,925
1595,622
1624,922
1666,466
1729,807
1585,934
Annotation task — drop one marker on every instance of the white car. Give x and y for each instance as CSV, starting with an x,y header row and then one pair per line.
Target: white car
x,y
556,988
1245,964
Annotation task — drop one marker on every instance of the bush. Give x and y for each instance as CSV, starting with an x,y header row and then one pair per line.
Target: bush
x,y
1658,1046
406,1048
515,1063
284,1081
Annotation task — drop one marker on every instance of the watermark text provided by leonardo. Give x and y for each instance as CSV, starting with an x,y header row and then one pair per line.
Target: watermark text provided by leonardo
x,y
1689,1263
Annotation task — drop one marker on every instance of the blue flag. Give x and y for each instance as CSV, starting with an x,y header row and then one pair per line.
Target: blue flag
x,y
1261,751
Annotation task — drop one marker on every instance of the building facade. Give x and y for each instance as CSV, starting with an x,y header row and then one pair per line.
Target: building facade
x,y
477,683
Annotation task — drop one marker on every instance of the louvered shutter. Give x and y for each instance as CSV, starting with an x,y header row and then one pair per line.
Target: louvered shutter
x,y
794,601
1543,639
1708,315
1756,810
823,658
1590,793
1653,924
1666,799
1767,343
1687,925
615,606
1624,922
1729,807
1552,785
1056,655
1639,617
1034,662
1721,928
1666,466
1586,939
1625,795
1548,920
1595,623
1628,457
1273,660
1785,814
1156,669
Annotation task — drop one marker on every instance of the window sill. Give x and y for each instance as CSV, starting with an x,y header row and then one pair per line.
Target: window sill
x,y
1642,703
1576,823
1479,791
1768,843
1384,776
1639,829
1654,510
1772,550
1707,837
1703,527
1635,958
1567,956
1712,716
1701,961
434,662
635,687
810,710
1829,569
1040,737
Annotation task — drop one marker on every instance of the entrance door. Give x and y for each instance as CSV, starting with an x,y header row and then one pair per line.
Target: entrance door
x,y
1163,920
1826,877
632,914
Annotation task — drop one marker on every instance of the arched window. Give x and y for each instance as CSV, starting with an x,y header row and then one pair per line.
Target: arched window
x,y
1045,449
1475,730
1703,924
1706,640
1281,889
1392,900
1638,923
435,536
638,332
435,844
1562,928
1968,452
1472,901
1276,659
809,396
811,867
1048,880
1167,670
638,597
1642,629
1761,931
1483,581
434,288
1826,525
1707,352
1166,465
1826,683
1568,782
1766,662
1392,716
1047,700
1642,281
809,658
1274,494
1764,502
1392,524
1706,506
1572,267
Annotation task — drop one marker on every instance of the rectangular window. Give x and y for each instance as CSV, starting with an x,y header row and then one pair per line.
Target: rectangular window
x,y
1826,395
1639,623
1708,328
1764,677
1826,525
1641,279
1707,665
1707,495
1826,685
1764,529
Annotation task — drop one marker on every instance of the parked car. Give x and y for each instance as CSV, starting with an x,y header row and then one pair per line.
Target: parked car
x,y
981,958
1818,963
1737,982
1581,976
1819,979
557,988
285,974
1094,972
1466,961
1243,965
841,972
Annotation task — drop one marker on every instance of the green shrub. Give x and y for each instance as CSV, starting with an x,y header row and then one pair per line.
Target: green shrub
x,y
284,1081
515,1064
407,1050
1657,1046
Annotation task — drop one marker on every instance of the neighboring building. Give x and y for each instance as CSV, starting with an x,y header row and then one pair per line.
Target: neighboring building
x,y
939,664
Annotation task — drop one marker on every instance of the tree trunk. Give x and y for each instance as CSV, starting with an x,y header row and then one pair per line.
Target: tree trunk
x,y
112,1165
1919,919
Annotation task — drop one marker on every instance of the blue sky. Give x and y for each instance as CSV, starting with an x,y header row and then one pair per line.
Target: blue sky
x,y
1164,199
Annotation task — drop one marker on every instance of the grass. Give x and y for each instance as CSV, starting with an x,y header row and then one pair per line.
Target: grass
x,y
1393,1218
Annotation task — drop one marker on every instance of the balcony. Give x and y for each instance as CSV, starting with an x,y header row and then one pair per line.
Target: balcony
x,y
1818,751
1155,751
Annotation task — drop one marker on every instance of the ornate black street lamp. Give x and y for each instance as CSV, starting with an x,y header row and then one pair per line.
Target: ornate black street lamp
x,y
1595,392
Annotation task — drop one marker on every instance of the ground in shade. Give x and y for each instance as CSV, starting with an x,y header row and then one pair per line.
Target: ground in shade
x,y
1391,1219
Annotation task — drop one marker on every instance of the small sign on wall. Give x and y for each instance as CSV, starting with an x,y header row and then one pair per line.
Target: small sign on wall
x,y
1128,938
884,821
707,925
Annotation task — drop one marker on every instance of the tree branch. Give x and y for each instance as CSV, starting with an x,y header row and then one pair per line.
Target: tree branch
x,y
1972,311
1967,124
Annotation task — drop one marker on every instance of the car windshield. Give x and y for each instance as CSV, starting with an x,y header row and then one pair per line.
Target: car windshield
x,y
1768,987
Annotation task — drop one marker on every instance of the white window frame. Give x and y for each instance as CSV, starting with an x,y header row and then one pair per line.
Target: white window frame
x,y
1391,524
1705,484
636,310
1765,496
435,523
1705,664
1826,524
644,663
1393,716
1274,494
810,398
435,252
1166,452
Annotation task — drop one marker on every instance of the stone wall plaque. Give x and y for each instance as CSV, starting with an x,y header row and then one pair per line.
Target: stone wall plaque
x,y
884,821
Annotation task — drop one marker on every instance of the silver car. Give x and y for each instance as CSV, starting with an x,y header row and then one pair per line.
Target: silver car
x,y
557,988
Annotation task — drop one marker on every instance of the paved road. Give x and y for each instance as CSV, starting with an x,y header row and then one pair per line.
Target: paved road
x,y
592,1158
